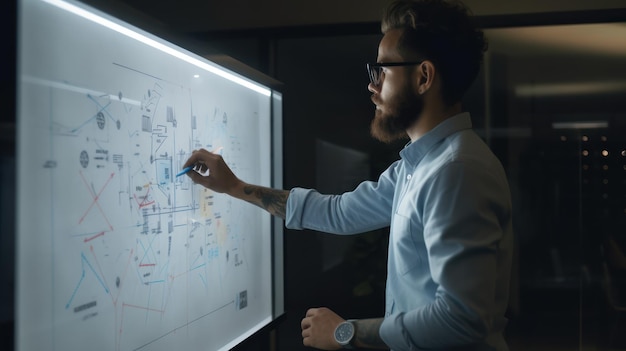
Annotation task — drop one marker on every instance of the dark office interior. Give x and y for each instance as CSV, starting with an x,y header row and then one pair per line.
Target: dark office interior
x,y
550,101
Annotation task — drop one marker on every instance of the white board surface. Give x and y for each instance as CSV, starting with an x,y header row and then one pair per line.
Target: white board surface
x,y
113,251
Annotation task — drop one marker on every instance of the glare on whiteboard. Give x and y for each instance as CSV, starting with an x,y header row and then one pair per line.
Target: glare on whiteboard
x,y
157,45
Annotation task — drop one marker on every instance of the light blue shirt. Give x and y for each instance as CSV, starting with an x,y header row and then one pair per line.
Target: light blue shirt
x,y
448,205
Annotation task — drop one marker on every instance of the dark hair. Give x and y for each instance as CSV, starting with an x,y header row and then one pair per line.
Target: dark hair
x,y
442,32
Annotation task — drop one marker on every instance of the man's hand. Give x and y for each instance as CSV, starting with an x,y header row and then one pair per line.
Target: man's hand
x,y
220,178
212,172
318,329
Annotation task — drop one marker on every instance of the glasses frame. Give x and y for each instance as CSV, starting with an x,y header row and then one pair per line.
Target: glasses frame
x,y
377,67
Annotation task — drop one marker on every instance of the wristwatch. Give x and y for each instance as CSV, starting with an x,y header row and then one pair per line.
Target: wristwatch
x,y
344,333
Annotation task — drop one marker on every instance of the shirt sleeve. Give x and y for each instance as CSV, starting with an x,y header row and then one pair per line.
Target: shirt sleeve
x,y
466,210
367,207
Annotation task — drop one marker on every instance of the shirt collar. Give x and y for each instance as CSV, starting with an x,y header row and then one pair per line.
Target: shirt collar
x,y
413,152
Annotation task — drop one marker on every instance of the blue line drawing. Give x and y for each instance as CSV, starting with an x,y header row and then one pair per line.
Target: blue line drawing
x,y
84,260
91,119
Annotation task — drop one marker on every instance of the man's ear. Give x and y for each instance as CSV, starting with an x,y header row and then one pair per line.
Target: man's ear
x,y
426,78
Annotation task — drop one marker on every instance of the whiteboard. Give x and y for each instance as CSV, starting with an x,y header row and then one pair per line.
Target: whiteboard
x,y
114,252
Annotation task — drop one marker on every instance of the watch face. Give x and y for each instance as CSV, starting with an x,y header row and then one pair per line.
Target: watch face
x,y
344,333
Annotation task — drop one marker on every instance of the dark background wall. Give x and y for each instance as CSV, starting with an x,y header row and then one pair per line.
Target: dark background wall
x,y
7,176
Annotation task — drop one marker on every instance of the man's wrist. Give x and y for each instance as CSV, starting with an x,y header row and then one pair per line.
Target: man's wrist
x,y
272,200
352,341
367,334
345,334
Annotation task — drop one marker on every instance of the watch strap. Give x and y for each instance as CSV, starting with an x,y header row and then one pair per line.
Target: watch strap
x,y
350,345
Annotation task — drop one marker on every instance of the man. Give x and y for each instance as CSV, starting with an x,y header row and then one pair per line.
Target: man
x,y
446,200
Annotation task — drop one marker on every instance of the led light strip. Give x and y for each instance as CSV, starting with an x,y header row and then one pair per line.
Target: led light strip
x,y
157,45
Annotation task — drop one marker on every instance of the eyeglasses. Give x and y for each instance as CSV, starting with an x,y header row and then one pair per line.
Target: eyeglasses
x,y
376,69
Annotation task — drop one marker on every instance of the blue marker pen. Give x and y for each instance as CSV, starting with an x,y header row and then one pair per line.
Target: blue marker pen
x,y
185,170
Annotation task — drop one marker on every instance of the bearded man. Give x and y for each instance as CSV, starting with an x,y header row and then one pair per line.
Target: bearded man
x,y
446,200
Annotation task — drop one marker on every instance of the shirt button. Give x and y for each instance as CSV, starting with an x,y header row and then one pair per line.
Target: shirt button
x,y
408,177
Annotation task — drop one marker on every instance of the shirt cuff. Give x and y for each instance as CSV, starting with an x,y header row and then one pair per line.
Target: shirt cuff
x,y
395,334
293,215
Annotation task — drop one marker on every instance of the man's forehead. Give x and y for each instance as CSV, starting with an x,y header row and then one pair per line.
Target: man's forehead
x,y
388,46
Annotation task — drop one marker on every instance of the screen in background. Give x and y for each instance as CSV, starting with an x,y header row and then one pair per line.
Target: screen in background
x,y
114,252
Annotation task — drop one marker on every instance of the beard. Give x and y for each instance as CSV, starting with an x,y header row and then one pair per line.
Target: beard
x,y
402,112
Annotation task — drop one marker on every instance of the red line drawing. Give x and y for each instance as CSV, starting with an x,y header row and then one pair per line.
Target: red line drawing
x,y
124,305
147,264
95,199
93,237
145,201
142,308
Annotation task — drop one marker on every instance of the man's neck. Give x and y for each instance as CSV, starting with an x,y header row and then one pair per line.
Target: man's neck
x,y
430,118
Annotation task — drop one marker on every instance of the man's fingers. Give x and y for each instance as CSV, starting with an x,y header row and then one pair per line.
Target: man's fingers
x,y
198,156
311,312
193,175
192,160
307,335
306,323
199,160
201,168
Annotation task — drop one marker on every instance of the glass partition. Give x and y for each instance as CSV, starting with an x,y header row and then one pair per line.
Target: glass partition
x,y
556,115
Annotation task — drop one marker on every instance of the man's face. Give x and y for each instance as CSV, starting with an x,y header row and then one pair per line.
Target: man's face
x,y
398,105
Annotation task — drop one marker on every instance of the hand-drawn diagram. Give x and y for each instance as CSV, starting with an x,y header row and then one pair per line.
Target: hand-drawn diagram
x,y
131,257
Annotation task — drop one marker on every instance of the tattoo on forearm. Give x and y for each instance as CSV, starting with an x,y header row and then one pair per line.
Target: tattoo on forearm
x,y
272,200
367,334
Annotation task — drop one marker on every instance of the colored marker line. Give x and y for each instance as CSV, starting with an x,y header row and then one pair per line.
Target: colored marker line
x,y
203,280
156,281
94,272
184,171
82,276
93,237
196,267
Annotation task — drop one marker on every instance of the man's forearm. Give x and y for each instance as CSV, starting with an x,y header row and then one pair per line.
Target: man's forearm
x,y
368,335
273,201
